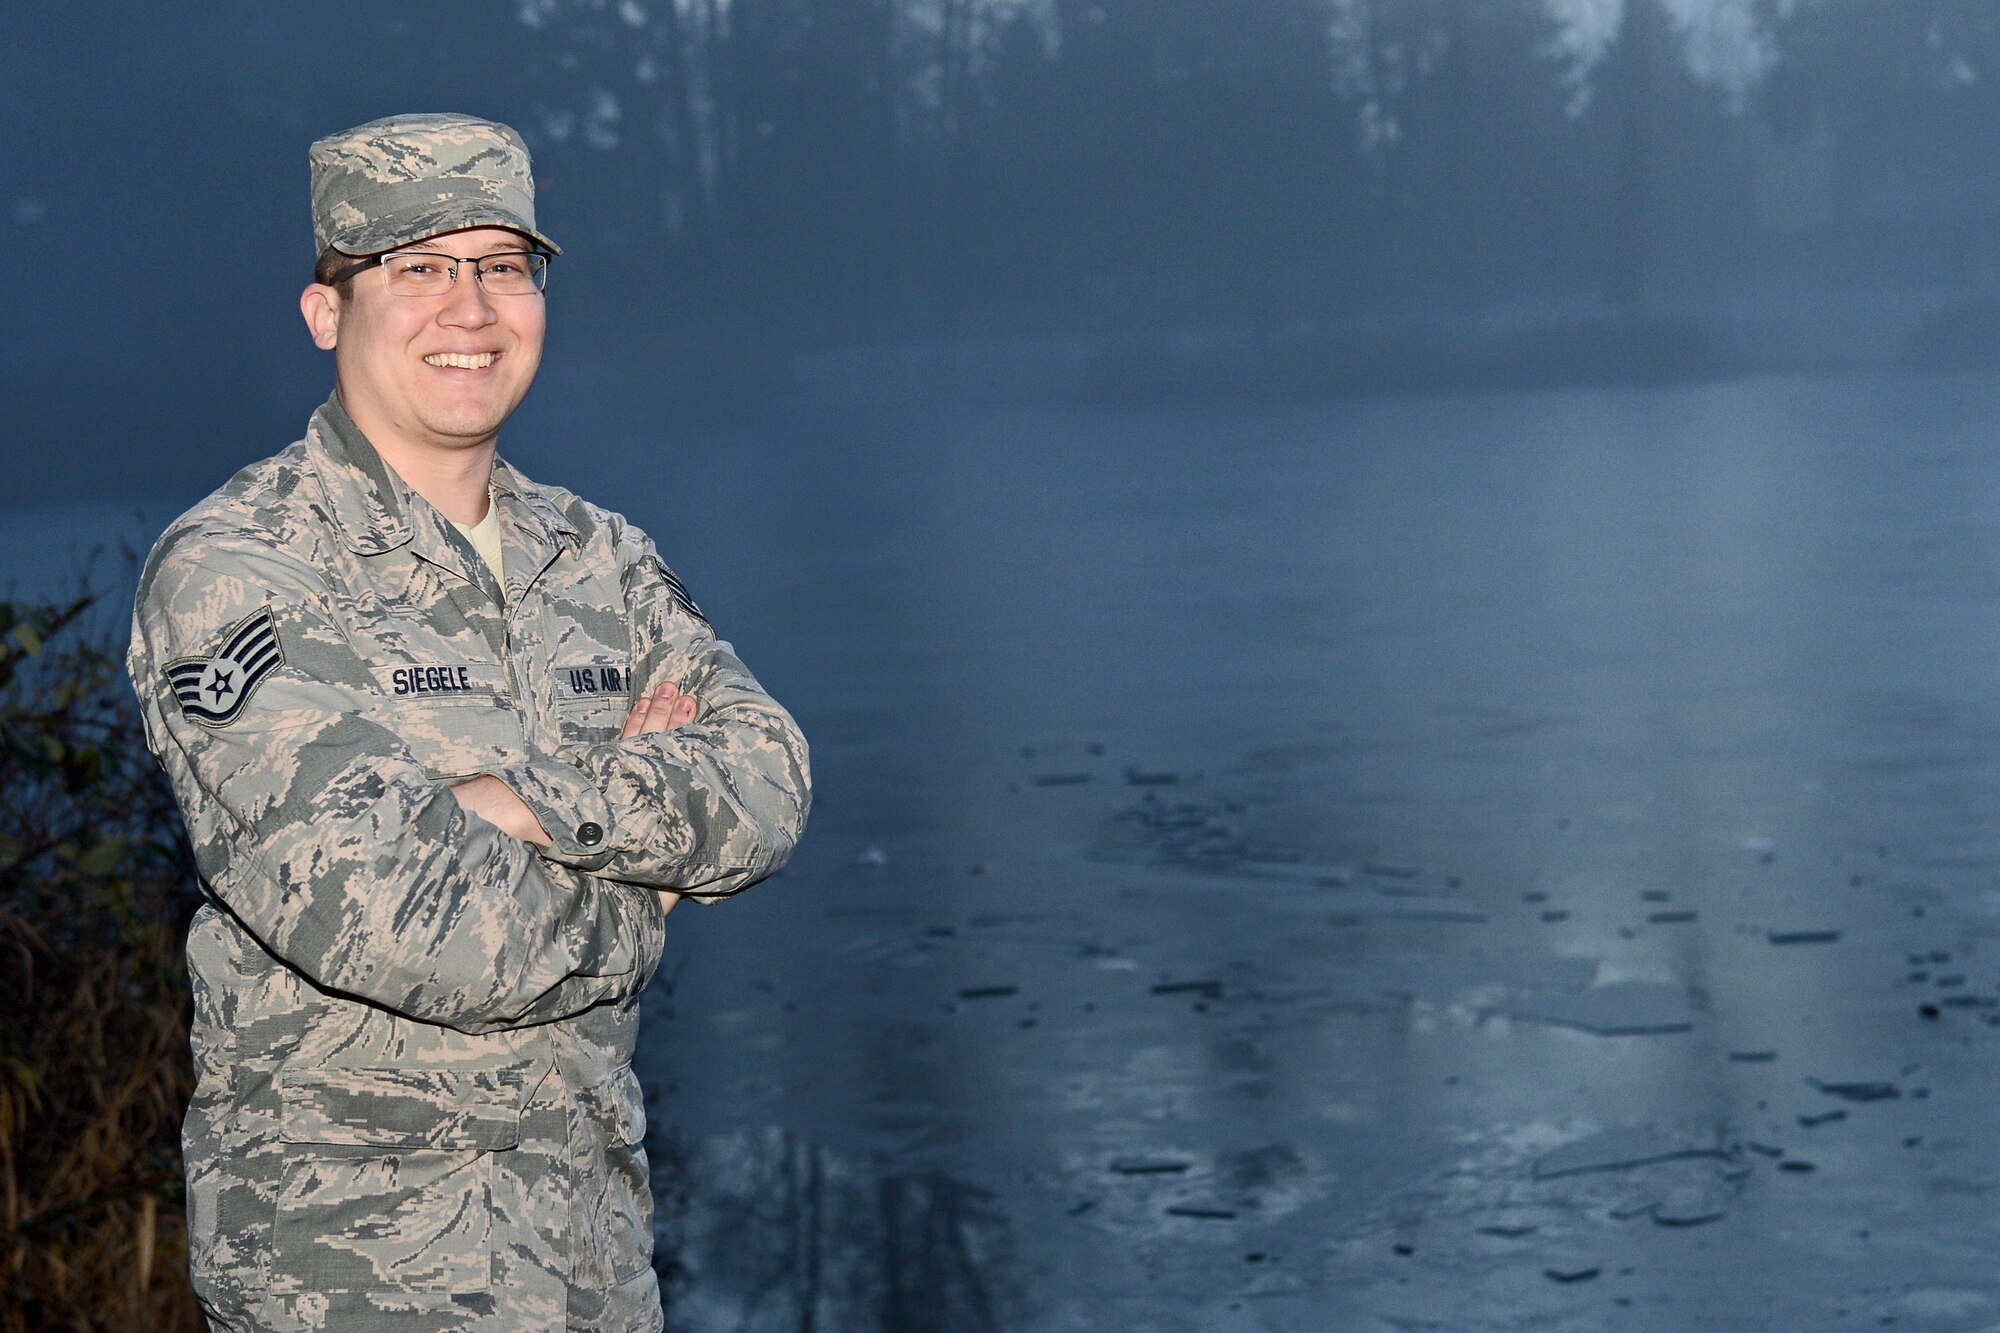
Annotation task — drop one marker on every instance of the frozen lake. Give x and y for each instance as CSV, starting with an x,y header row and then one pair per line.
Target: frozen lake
x,y
1490,862
1489,720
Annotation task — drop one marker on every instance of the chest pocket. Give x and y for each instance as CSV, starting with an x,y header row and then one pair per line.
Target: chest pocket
x,y
592,699
455,717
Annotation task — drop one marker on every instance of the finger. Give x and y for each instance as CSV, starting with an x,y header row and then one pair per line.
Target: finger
x,y
684,710
633,720
658,718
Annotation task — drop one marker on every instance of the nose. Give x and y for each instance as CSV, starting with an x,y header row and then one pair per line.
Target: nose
x,y
467,306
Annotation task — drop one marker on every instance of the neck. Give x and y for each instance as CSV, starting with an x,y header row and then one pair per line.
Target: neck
x,y
454,478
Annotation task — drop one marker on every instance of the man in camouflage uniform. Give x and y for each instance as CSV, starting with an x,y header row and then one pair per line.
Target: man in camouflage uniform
x,y
442,791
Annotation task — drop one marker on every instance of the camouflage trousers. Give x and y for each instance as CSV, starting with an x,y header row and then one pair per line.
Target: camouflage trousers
x,y
297,1228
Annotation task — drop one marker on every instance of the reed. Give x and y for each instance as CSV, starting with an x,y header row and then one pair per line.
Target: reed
x,y
96,887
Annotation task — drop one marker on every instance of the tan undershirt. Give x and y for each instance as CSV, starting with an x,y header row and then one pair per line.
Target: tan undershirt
x,y
485,538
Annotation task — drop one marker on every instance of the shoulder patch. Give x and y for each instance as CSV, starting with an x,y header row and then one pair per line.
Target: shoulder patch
x,y
213,690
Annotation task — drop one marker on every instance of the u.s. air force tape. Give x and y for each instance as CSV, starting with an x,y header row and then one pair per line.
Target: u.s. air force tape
x,y
213,690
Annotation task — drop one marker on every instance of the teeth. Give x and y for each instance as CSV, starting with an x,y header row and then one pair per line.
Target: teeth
x,y
461,360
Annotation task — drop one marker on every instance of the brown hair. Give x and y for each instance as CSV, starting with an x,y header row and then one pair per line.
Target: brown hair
x,y
331,264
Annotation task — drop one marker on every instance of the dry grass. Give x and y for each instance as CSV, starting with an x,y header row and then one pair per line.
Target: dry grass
x,y
95,890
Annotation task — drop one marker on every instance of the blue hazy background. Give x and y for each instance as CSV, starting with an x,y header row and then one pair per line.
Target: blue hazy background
x,y
1395,602
784,204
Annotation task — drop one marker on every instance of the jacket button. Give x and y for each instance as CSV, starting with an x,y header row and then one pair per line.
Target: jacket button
x,y
589,834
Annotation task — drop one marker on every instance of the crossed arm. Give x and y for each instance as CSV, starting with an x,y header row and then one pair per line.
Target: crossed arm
x,y
498,804
706,790
322,833
330,843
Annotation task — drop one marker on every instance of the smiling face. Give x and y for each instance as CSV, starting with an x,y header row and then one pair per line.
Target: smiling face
x,y
431,372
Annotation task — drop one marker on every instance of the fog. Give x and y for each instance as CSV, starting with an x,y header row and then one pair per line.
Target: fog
x,y
1031,198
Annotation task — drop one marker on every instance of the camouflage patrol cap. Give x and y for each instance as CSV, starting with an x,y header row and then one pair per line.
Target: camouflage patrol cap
x,y
403,179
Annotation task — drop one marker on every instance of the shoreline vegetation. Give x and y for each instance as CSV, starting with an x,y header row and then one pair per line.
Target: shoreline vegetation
x,y
96,888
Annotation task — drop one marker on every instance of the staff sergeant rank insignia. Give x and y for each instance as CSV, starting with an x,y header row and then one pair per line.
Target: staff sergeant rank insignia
x,y
213,690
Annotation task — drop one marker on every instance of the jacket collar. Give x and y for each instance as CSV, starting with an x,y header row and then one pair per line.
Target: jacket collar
x,y
372,506
536,502
370,503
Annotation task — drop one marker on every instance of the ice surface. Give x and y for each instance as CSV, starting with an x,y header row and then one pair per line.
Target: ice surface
x,y
1620,1009
1411,664
1619,1150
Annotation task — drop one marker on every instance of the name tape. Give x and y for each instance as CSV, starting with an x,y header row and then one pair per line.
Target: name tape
x,y
440,680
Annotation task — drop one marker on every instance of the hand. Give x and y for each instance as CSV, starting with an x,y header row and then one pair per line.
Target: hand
x,y
498,804
664,708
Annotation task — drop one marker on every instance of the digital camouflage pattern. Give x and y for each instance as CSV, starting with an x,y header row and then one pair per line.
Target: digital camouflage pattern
x,y
413,1034
405,178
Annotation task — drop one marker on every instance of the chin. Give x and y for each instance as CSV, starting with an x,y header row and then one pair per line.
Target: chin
x,y
466,424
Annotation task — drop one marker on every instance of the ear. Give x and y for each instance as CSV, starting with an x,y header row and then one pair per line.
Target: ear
x,y
320,304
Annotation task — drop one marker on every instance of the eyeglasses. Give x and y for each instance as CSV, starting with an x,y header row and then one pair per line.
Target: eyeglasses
x,y
428,273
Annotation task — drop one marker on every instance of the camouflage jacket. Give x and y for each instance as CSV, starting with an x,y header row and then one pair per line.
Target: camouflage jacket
x,y
413,1033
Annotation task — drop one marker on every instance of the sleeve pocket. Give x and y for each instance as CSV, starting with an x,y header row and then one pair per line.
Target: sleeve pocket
x,y
627,1104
